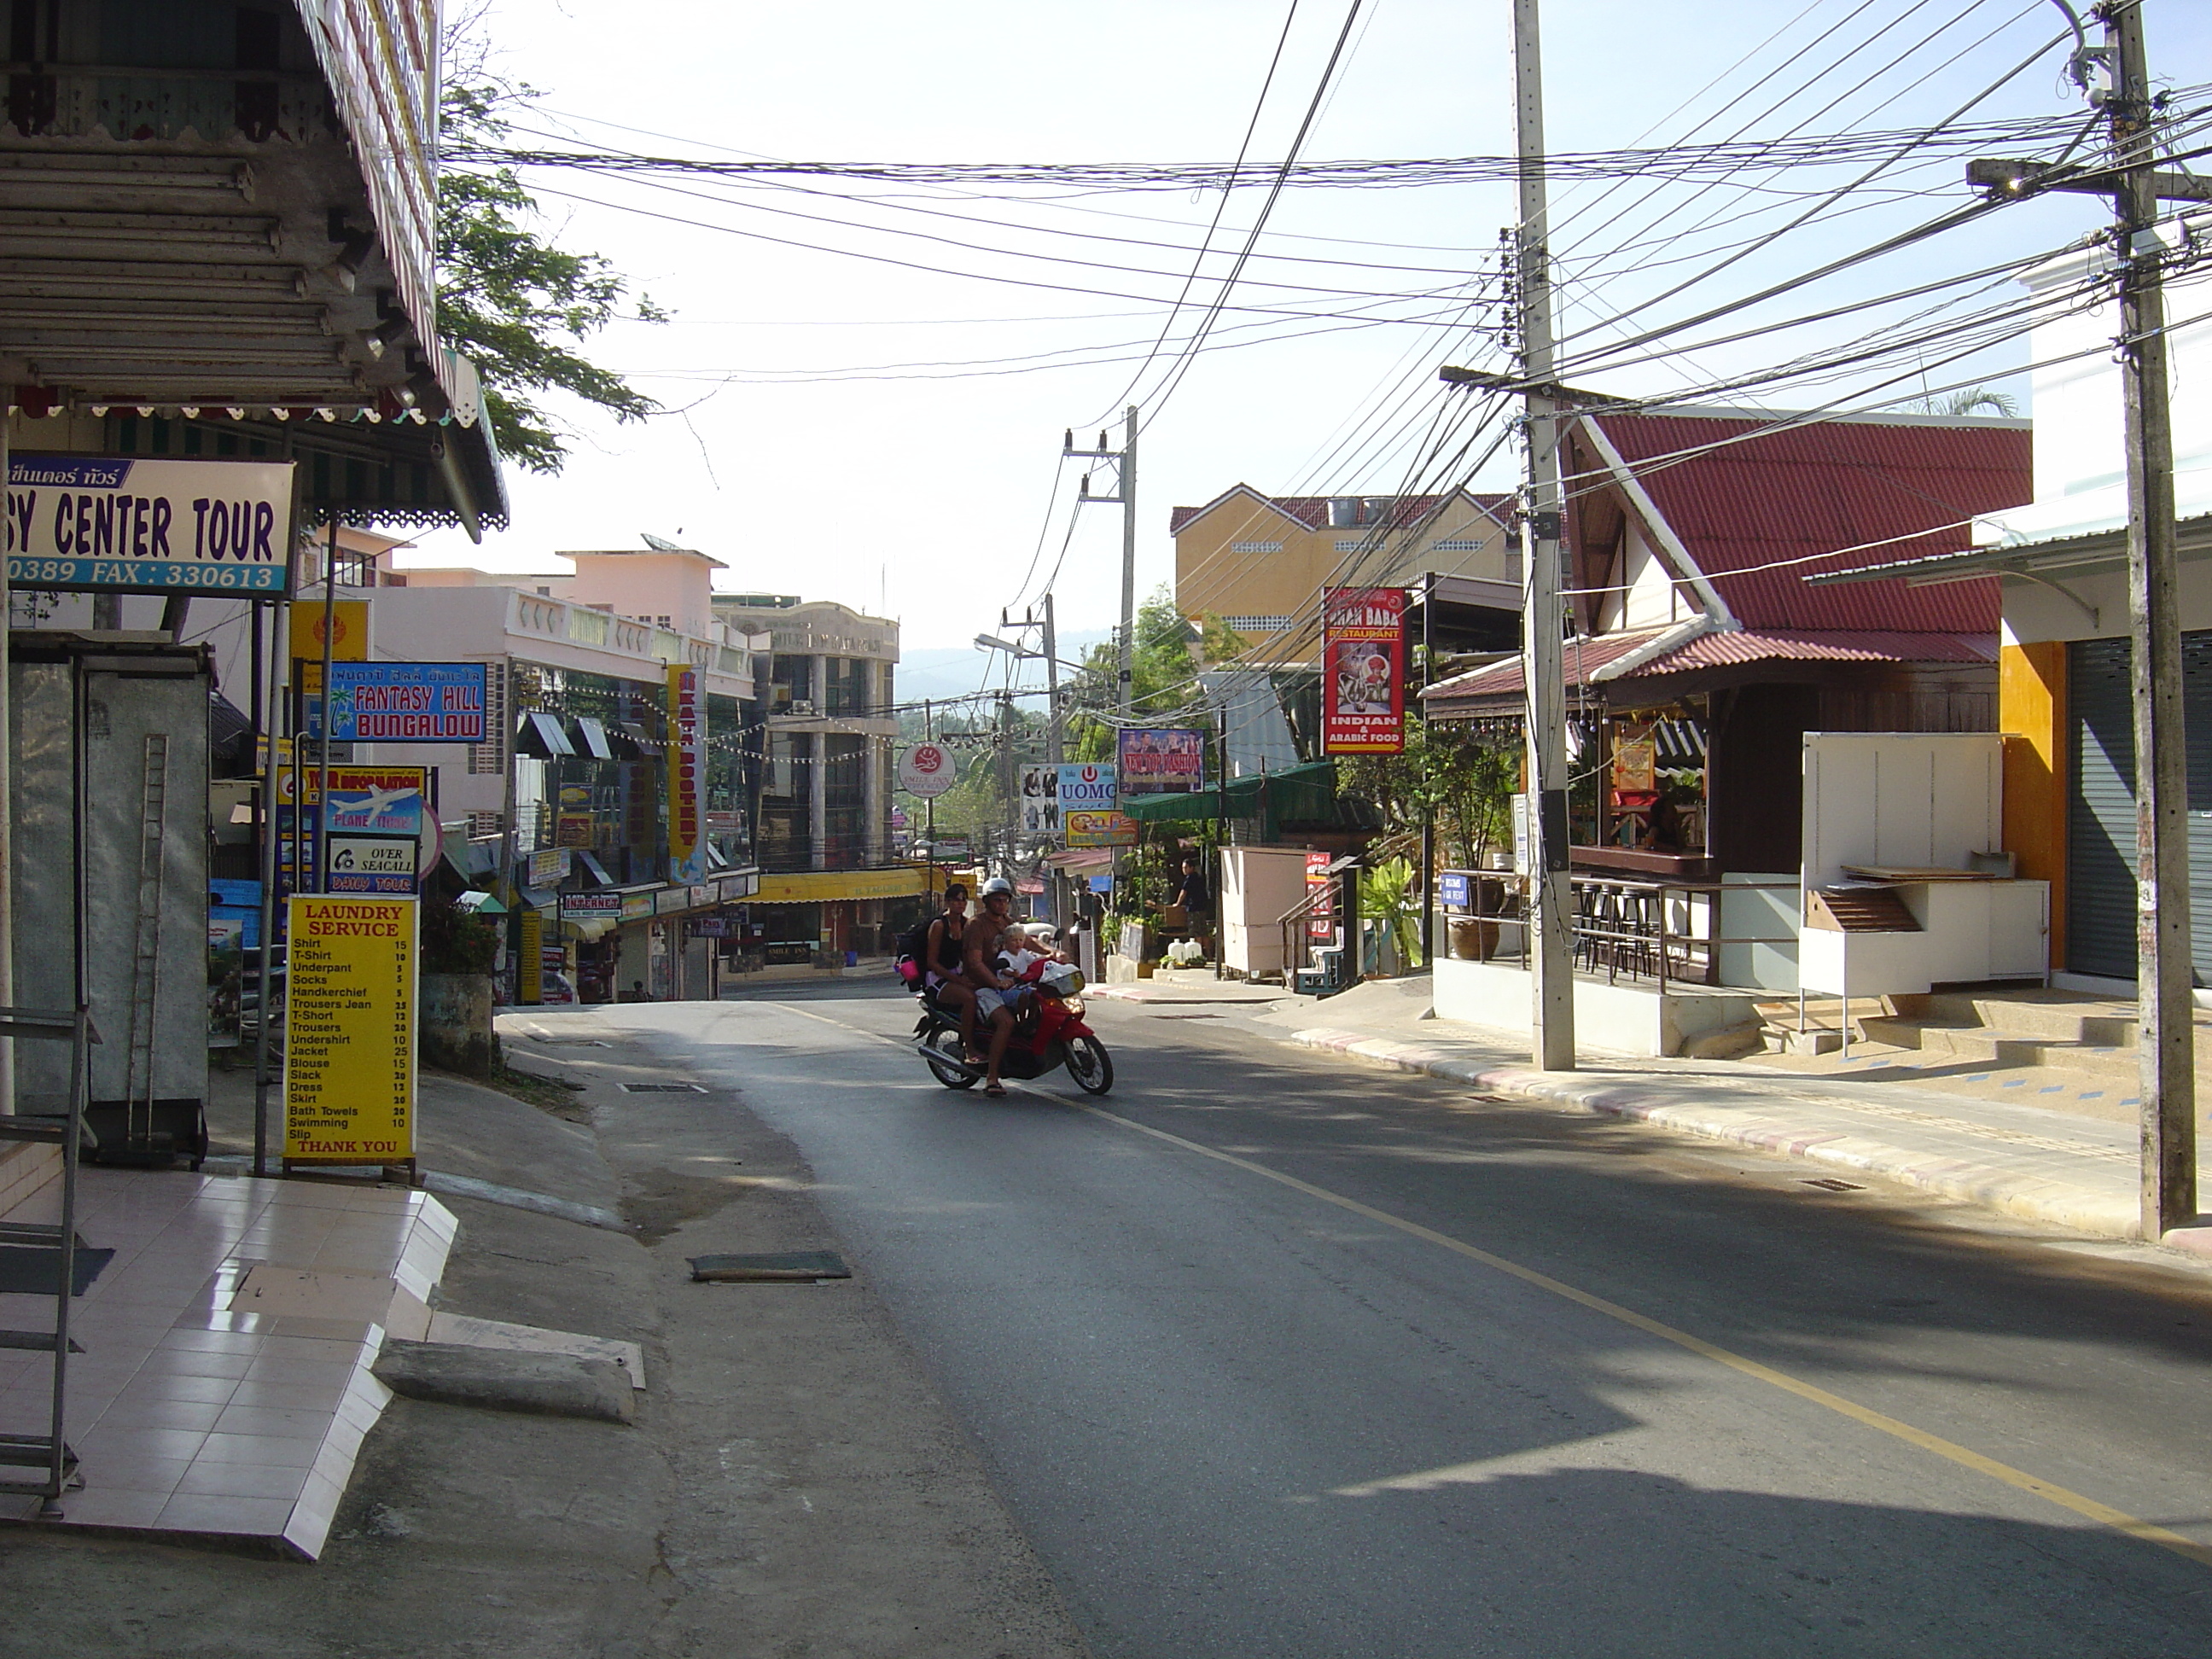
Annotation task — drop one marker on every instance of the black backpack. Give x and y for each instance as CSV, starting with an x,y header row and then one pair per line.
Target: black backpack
x,y
907,960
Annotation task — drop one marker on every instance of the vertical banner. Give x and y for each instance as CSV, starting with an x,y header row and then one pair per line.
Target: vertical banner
x,y
1320,891
530,964
687,768
1155,761
1363,670
1041,801
349,1031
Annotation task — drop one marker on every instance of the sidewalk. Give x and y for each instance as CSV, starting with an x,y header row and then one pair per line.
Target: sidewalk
x,y
2048,1167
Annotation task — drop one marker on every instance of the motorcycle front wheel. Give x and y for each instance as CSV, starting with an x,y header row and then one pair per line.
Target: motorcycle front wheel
x,y
1090,1064
946,1041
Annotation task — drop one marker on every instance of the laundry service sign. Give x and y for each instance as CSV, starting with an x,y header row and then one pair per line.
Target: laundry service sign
x,y
128,523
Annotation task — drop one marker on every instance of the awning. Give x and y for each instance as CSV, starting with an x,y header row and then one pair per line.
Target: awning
x,y
592,739
593,868
1299,794
540,737
477,903
540,898
833,886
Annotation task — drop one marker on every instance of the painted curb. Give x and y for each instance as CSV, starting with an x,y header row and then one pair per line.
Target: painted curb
x,y
2010,1191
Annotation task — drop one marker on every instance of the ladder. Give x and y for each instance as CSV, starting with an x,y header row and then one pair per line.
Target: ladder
x,y
146,947
43,1465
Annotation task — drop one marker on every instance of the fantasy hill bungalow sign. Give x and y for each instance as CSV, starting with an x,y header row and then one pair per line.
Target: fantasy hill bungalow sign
x,y
123,524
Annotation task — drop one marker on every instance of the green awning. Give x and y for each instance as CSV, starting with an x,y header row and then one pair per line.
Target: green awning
x,y
1300,793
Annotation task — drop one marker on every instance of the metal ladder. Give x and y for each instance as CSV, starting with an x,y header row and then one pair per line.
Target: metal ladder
x,y
43,1465
146,945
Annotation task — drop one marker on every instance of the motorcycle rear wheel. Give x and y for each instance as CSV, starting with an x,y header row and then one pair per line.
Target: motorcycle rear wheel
x,y
946,1041
1090,1064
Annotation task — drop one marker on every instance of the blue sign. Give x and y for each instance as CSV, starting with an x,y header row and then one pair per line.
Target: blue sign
x,y
1102,884
1455,889
403,702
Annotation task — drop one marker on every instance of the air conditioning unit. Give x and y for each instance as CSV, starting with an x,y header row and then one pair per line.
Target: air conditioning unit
x,y
800,706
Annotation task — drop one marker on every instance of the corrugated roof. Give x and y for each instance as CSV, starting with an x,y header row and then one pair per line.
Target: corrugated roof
x,y
1312,511
1831,484
1583,657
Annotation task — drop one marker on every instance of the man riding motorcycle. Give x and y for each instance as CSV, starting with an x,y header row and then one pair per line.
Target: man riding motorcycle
x,y
996,991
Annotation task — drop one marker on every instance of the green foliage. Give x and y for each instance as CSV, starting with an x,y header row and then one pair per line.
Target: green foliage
x,y
1389,893
455,942
514,303
1161,676
1220,644
1446,771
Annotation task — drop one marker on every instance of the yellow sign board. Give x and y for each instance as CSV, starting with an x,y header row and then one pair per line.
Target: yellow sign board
x,y
833,886
349,1031
348,633
530,967
1099,828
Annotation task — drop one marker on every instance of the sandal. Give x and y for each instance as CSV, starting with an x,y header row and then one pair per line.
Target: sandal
x,y
995,1090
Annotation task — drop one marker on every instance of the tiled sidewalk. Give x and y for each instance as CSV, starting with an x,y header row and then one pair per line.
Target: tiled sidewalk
x,y
188,1416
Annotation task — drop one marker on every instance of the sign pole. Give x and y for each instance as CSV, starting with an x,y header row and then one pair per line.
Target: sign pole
x,y
321,841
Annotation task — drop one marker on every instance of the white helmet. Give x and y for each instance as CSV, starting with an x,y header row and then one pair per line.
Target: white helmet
x,y
995,885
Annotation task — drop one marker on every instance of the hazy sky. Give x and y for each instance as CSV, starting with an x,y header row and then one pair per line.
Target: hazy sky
x,y
927,497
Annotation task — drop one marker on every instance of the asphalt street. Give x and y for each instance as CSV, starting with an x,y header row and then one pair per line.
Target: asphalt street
x,y
1269,1353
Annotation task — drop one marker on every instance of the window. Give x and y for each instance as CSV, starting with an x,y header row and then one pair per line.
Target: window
x,y
1257,624
1353,547
1459,546
1255,547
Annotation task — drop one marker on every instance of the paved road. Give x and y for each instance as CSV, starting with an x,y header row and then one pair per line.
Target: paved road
x,y
1280,1356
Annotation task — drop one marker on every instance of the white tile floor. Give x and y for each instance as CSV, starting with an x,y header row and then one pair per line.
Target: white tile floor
x,y
187,1417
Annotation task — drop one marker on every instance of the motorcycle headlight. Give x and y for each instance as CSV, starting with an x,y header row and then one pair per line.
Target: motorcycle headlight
x,y
1073,1005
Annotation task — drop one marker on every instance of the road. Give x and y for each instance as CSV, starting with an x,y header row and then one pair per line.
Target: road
x,y
1277,1355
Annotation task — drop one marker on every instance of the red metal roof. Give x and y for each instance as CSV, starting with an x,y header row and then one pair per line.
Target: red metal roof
x,y
1312,511
1815,489
1583,657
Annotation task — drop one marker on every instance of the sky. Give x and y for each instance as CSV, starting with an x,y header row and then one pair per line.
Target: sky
x,y
813,446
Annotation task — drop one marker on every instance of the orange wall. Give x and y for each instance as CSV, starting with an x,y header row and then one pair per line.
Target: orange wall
x,y
2032,714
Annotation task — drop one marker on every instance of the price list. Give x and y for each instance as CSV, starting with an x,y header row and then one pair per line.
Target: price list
x,y
349,1031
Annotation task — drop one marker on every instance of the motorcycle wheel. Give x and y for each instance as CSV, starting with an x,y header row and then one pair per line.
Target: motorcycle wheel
x,y
1090,1064
946,1041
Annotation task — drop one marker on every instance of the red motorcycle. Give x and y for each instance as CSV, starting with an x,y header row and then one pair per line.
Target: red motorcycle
x,y
1049,1033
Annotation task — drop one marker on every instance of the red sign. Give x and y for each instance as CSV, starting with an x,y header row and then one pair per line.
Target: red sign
x,y
1363,670
1321,916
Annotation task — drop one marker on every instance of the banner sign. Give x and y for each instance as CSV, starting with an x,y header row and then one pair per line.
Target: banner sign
x,y
365,864
402,702
1364,671
573,830
1163,762
1320,918
119,524
1109,828
547,866
601,906
349,1031
1087,786
530,963
1041,800
349,633
687,774
927,770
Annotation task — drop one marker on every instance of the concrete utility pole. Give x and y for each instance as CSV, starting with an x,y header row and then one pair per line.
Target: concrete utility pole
x,y
1125,472
2165,1039
1010,800
1054,750
1551,888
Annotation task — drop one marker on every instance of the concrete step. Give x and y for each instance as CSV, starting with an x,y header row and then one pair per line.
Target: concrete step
x,y
2048,1016
1980,1046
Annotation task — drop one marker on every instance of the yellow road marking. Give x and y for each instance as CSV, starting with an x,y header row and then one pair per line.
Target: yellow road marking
x,y
2051,1491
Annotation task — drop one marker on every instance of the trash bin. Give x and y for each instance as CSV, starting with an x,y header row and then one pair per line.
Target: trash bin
x,y
852,958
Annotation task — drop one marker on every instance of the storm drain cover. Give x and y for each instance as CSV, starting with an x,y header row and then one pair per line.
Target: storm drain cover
x,y
776,1266
1829,1183
662,1088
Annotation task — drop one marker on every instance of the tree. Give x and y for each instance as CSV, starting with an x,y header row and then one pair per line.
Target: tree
x,y
1162,677
509,299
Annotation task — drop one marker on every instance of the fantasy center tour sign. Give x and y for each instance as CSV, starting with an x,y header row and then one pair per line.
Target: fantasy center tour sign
x,y
123,524
1364,671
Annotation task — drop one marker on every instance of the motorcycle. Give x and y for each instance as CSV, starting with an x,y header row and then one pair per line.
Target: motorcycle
x,y
1049,1033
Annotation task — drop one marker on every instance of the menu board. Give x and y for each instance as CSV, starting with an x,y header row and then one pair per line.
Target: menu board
x,y
349,1031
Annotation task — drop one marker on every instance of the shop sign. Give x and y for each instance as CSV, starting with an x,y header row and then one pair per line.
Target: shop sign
x,y
1161,762
366,863
687,774
712,927
702,896
530,965
1086,787
118,523
591,907
349,1031
738,886
1100,829
635,907
927,770
374,800
1364,671
573,830
788,951
1040,801
547,866
1321,919
1456,891
1102,884
348,633
400,702
670,900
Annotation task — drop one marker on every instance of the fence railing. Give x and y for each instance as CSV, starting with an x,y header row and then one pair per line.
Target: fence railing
x,y
1660,931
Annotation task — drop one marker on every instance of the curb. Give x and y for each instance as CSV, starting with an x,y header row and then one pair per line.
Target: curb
x,y
2031,1198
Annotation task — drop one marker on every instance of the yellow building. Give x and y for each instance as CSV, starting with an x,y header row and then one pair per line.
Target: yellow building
x,y
1259,562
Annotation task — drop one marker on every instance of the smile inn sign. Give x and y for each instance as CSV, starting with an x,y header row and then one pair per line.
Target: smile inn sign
x,y
122,524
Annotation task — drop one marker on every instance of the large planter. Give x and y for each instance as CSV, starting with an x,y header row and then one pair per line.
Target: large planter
x,y
453,1029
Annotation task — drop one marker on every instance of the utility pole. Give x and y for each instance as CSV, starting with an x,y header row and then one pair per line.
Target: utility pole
x,y
2164,1041
1012,802
1055,751
1125,470
1550,887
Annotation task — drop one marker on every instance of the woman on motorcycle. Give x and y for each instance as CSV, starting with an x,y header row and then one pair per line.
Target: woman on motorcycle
x,y
940,957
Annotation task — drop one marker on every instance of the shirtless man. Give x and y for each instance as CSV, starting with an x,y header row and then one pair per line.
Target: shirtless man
x,y
995,991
